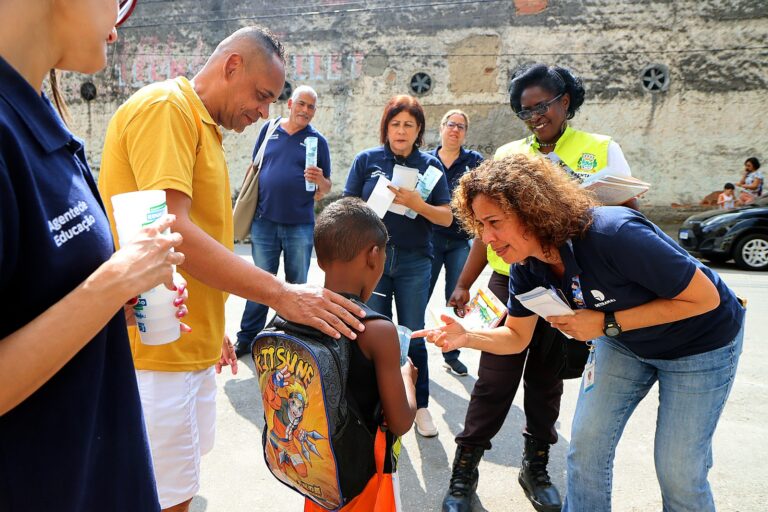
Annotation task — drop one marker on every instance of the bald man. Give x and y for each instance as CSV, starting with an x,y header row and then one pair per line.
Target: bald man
x,y
167,136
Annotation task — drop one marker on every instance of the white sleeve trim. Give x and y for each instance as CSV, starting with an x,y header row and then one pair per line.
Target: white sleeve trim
x,y
617,164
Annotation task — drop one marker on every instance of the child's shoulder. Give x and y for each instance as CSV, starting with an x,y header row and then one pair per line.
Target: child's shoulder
x,y
379,336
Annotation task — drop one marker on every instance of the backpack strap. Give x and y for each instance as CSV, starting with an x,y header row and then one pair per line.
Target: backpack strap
x,y
370,314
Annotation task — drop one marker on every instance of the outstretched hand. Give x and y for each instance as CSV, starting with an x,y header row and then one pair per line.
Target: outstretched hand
x,y
450,336
322,309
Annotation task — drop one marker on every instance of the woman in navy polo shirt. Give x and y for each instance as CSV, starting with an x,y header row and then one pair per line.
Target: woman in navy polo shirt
x,y
451,244
409,251
650,311
71,431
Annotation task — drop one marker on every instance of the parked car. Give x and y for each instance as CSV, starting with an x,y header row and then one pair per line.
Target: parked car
x,y
719,235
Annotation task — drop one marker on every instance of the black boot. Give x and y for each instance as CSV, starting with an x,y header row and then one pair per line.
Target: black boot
x,y
463,479
534,478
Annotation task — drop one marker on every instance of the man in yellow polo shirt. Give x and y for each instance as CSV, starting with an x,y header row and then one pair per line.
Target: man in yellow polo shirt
x,y
167,136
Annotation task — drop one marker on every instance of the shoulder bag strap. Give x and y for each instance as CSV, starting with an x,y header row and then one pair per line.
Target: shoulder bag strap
x,y
270,130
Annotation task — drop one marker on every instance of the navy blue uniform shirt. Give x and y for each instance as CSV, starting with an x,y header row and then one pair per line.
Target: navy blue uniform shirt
x,y
410,234
466,160
625,261
283,197
78,442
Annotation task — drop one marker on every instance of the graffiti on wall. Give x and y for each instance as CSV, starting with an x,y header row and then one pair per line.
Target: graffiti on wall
x,y
326,67
156,59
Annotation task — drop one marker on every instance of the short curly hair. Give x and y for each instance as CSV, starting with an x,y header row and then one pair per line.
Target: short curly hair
x,y
550,205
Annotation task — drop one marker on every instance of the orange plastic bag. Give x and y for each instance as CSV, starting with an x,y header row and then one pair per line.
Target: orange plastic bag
x,y
380,494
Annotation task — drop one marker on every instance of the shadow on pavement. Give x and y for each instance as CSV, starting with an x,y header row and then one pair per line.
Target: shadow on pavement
x,y
434,461
507,444
244,396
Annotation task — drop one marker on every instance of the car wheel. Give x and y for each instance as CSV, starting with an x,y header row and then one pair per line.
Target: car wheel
x,y
752,252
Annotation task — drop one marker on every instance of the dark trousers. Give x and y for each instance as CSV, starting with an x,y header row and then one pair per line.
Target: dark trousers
x,y
497,382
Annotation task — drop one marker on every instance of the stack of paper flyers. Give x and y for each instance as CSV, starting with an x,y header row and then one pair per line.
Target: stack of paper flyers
x,y
616,190
405,178
545,302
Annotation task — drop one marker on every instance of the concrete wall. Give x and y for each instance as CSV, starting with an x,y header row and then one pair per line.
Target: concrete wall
x,y
687,141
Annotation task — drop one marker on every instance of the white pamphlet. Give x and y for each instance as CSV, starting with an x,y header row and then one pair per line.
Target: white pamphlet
x,y
405,178
381,197
425,185
545,302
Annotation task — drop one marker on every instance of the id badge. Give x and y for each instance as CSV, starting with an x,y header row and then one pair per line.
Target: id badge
x,y
589,371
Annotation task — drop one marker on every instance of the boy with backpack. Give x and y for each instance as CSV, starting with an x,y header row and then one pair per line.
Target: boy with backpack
x,y
334,408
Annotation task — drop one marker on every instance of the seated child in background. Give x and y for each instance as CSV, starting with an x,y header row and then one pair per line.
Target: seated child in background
x,y
727,199
350,242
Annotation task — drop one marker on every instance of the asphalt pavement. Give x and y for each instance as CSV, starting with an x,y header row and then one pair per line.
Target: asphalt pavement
x,y
235,478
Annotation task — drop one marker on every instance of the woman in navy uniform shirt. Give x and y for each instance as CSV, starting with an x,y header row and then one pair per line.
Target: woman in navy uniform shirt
x,y
71,431
409,250
451,244
651,312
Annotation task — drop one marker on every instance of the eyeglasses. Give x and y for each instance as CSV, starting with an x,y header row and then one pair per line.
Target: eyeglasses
x,y
539,109
450,125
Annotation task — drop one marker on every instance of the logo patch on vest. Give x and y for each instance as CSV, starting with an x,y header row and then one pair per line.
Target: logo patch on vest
x,y
587,162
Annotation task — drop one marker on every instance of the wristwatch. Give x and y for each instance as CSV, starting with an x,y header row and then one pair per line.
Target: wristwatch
x,y
611,327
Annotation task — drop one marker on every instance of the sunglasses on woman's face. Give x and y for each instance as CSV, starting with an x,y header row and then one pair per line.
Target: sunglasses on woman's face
x,y
124,10
539,109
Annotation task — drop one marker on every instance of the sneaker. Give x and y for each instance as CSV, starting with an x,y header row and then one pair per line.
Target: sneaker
x,y
456,367
425,427
242,349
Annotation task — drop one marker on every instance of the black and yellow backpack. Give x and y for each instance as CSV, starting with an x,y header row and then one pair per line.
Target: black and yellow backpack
x,y
315,439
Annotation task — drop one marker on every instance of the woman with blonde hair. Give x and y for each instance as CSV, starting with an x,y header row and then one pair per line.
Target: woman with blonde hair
x,y
450,245
648,310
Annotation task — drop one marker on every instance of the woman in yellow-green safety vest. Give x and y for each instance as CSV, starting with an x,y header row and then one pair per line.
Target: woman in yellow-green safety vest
x,y
545,98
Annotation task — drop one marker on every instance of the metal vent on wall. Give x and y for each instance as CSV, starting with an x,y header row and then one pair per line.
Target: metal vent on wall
x,y
88,91
655,78
287,91
421,83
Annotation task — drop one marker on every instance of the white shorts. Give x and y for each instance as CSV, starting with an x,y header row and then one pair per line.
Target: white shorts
x,y
180,416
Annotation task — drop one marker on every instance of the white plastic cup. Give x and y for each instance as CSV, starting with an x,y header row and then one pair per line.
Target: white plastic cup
x,y
155,313
404,335
135,210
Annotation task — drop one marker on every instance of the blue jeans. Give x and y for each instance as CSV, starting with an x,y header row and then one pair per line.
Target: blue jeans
x,y
268,240
692,394
452,253
406,277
